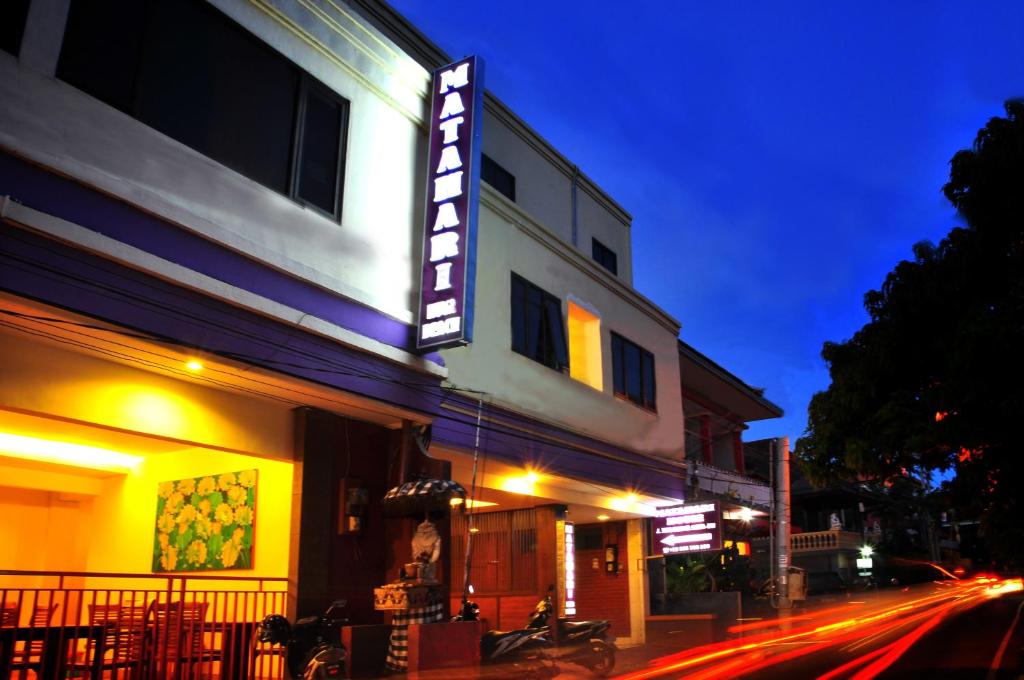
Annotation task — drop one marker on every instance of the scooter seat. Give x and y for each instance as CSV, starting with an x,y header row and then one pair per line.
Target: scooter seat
x,y
576,625
498,634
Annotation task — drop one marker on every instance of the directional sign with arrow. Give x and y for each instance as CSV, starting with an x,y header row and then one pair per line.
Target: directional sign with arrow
x,y
696,527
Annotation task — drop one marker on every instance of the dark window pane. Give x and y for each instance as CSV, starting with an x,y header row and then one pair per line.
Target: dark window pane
x,y
498,177
611,262
556,334
618,375
538,330
648,380
12,24
634,389
210,85
318,163
102,44
518,315
633,372
604,256
534,343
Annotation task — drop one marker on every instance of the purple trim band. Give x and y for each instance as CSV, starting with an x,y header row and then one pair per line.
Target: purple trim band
x,y
41,269
523,442
37,188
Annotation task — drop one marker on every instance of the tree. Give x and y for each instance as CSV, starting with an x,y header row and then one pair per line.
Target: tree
x,y
935,379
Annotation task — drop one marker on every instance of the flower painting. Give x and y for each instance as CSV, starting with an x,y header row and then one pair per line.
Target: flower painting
x,y
205,523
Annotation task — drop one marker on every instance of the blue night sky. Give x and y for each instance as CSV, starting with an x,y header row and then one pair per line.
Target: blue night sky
x,y
778,162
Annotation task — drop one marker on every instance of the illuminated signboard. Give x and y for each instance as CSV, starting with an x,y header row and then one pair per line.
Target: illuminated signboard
x,y
696,527
569,609
453,188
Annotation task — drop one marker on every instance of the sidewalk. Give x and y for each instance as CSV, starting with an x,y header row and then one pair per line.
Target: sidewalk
x,y
662,641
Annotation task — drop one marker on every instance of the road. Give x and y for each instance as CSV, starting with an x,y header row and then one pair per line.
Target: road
x,y
958,629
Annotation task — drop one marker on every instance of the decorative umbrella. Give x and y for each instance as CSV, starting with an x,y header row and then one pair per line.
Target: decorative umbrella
x,y
421,497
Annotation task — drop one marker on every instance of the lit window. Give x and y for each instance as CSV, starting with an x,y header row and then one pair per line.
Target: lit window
x,y
585,346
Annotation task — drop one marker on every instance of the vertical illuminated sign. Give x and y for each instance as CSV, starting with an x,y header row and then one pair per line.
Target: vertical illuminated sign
x,y
453,188
569,608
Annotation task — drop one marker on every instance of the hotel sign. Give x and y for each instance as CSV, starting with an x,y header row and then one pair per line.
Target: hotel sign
x,y
569,604
453,187
695,527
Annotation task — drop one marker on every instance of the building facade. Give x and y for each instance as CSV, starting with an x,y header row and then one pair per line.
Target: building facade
x,y
210,257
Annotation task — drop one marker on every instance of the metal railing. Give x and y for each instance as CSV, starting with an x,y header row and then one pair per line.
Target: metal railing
x,y
152,626
730,482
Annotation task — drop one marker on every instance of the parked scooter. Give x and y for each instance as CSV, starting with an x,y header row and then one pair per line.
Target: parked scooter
x,y
523,650
313,649
584,643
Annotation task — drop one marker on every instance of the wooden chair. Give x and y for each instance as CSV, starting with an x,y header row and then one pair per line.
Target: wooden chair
x,y
176,637
123,638
9,615
28,655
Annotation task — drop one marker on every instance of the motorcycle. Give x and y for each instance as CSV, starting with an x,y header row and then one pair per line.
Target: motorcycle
x,y
524,650
313,649
584,643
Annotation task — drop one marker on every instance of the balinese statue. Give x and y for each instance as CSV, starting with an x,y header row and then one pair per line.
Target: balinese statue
x,y
426,549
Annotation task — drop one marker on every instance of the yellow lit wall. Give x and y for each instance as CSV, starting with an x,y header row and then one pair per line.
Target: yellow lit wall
x,y
125,513
41,378
41,530
585,346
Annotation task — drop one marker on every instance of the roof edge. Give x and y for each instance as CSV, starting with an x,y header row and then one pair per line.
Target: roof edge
x,y
709,364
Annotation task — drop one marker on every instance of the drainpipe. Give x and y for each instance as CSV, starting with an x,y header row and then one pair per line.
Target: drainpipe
x,y
575,178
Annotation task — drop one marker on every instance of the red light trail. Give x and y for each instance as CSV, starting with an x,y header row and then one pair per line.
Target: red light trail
x,y
893,621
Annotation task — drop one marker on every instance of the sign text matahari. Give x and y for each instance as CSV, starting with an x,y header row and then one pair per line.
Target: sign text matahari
x,y
449,233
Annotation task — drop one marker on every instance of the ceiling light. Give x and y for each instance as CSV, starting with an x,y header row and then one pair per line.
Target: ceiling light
x,y
523,484
194,365
66,453
603,518
456,502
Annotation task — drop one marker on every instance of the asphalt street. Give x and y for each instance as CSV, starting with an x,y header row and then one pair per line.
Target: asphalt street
x,y
951,629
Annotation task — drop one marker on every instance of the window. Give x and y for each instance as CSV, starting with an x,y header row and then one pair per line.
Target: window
x,y
633,372
12,24
188,71
585,346
537,329
605,256
503,181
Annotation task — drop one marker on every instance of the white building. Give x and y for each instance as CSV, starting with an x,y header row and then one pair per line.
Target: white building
x,y
212,216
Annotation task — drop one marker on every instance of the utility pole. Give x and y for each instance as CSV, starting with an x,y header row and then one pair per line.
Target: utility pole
x,y
781,524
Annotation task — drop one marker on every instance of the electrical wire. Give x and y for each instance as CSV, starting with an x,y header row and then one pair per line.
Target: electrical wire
x,y
327,365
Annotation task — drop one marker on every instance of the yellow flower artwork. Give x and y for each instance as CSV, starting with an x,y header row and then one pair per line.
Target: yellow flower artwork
x,y
205,523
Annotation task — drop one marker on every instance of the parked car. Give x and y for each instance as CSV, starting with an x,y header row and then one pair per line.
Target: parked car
x,y
826,583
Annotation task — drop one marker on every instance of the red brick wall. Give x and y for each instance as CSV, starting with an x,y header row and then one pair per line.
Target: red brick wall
x,y
600,595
